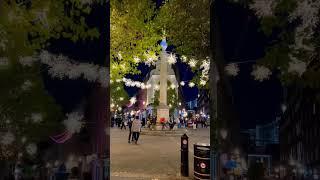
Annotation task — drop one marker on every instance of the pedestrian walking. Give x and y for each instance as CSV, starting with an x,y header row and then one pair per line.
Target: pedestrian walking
x,y
163,123
154,120
136,129
149,121
130,131
203,122
179,123
112,121
123,124
118,122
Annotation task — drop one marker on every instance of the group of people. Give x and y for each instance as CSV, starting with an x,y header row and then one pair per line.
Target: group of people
x,y
135,124
182,122
200,121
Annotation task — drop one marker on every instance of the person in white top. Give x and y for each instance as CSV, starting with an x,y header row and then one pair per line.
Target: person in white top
x,y
136,129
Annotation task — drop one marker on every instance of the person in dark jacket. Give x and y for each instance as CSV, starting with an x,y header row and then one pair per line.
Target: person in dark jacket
x,y
123,124
130,132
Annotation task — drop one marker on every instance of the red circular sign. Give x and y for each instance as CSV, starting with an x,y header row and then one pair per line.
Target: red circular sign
x,y
202,165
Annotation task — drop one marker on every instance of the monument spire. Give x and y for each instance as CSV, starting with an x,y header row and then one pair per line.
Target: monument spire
x,y
163,110
163,74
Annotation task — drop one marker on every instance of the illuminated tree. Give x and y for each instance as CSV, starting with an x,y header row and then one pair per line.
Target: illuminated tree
x,y
134,36
187,26
172,98
119,95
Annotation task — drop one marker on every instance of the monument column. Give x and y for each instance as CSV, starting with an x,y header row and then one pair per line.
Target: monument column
x,y
163,110
163,79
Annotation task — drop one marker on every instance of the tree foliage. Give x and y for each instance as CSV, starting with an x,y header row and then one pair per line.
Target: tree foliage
x,y
27,27
138,26
291,29
119,95
187,26
172,98
133,35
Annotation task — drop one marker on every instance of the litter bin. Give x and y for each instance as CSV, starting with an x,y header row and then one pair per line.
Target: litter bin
x,y
202,161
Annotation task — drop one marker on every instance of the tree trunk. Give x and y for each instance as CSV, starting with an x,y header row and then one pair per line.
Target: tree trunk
x,y
221,101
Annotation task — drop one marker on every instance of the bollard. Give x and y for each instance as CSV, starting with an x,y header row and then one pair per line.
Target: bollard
x,y
184,156
202,161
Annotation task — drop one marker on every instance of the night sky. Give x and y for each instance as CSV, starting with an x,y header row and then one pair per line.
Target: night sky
x,y
256,102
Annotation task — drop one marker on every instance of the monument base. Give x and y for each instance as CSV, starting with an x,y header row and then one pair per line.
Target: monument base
x,y
158,127
162,112
173,133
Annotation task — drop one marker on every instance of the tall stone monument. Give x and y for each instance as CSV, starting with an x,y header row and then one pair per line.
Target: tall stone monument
x,y
163,109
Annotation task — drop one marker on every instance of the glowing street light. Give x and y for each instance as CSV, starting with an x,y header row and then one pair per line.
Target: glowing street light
x,y
191,84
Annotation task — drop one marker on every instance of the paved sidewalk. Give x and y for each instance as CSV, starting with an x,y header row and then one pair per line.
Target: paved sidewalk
x,y
155,157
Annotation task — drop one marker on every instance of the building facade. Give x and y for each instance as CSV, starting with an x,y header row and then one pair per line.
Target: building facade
x,y
192,105
267,133
264,139
203,101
